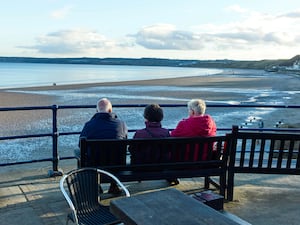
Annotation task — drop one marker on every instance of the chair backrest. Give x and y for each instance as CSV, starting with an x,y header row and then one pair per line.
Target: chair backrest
x,y
83,185
83,196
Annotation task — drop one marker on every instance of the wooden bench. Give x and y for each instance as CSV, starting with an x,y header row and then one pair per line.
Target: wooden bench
x,y
172,158
264,153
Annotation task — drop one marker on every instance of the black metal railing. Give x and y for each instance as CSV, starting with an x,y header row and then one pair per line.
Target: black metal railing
x,y
54,134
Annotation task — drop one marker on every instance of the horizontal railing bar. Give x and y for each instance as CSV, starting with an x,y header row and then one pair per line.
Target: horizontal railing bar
x,y
271,129
26,162
26,136
143,105
26,108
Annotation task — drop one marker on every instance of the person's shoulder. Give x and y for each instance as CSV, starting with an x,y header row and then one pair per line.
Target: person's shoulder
x,y
208,116
122,123
165,129
185,120
140,133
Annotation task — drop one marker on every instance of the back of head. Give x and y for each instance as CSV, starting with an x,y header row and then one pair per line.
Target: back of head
x,y
198,106
153,113
104,105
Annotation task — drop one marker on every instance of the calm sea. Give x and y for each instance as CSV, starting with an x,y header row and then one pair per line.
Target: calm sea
x,y
34,74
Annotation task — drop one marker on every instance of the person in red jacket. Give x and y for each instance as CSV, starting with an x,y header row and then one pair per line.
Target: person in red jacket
x,y
198,124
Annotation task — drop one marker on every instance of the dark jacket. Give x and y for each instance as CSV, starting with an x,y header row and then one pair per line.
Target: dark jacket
x,y
104,125
149,154
152,130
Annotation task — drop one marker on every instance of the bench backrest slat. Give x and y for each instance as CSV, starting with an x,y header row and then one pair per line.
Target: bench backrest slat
x,y
105,152
265,150
262,152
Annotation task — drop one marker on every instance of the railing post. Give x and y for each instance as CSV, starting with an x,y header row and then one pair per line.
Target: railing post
x,y
231,164
55,134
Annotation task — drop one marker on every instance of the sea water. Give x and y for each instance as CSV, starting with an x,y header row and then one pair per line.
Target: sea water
x,y
39,74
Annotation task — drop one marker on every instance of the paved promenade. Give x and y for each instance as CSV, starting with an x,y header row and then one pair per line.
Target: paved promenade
x,y
29,197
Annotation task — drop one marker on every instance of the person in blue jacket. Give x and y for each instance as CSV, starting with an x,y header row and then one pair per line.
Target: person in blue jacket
x,y
104,125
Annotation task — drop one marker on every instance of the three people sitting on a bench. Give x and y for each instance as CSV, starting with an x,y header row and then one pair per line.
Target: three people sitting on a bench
x,y
105,125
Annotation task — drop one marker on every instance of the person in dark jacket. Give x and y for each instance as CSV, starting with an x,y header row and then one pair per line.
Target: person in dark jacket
x,y
153,115
104,125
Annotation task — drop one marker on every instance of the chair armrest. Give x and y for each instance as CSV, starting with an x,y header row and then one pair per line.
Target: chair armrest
x,y
116,180
68,199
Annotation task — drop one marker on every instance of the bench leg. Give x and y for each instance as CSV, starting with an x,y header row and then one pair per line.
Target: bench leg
x,y
206,182
230,186
223,184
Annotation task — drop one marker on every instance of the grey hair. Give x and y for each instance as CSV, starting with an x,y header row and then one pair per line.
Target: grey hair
x,y
104,105
197,105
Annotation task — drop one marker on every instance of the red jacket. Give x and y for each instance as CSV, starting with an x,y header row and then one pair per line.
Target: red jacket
x,y
195,126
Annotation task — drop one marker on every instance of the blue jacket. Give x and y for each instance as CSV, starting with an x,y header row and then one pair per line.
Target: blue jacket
x,y
104,125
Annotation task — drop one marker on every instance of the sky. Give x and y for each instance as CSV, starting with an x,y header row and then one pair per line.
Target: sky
x,y
174,29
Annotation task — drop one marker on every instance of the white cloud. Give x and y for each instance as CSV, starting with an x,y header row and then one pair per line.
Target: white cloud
x,y
255,32
293,14
166,36
76,41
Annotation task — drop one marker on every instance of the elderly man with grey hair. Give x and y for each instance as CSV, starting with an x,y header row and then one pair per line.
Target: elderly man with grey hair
x,y
104,125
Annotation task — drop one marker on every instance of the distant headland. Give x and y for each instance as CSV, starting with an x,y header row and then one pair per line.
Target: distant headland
x,y
280,65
